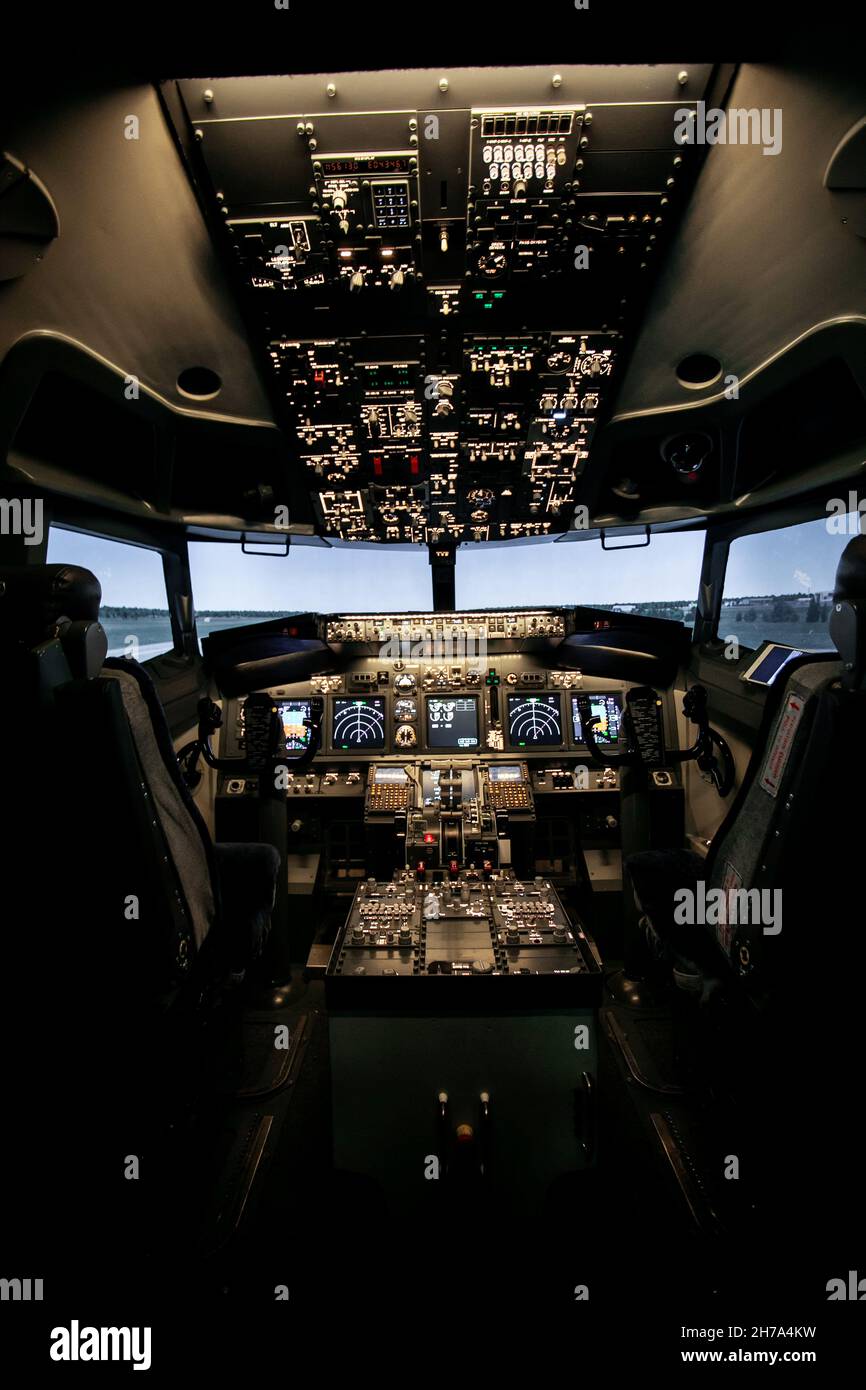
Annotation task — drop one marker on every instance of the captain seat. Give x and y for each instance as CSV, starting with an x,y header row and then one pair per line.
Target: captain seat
x,y
787,855
167,902
125,931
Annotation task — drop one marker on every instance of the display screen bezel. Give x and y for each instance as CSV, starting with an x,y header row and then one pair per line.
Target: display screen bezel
x,y
379,702
295,700
591,695
750,673
524,698
496,771
453,747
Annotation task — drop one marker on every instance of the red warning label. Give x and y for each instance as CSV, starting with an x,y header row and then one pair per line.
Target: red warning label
x,y
780,751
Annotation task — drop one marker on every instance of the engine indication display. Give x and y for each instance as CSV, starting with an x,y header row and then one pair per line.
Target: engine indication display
x,y
452,723
293,713
534,721
607,708
359,723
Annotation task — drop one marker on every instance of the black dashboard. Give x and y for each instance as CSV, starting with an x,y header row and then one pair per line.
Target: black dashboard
x,y
449,737
447,708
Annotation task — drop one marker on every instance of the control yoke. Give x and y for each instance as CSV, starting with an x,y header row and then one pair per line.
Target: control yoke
x,y
264,739
645,739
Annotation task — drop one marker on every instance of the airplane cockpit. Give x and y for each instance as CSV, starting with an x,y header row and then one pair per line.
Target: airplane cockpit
x,y
433,632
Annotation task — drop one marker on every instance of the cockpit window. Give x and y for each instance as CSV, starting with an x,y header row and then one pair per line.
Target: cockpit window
x,y
659,580
134,608
230,587
779,584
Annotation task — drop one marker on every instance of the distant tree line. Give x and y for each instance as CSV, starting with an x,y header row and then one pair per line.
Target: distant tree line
x,y
113,611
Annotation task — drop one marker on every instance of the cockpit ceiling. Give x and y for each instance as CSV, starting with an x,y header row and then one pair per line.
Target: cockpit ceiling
x,y
443,275
437,307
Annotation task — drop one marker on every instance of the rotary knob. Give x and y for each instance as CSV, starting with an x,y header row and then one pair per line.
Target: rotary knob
x,y
397,279
357,281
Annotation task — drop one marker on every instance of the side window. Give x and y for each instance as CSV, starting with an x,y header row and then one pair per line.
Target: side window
x,y
134,609
779,584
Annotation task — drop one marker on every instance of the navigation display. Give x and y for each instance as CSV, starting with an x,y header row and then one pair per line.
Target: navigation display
x,y
452,722
534,721
358,723
607,708
292,714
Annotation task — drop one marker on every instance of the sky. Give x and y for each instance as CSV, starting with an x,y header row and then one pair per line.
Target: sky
x,y
800,558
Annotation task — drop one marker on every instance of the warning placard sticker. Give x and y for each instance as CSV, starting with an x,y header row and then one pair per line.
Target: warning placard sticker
x,y
732,880
780,751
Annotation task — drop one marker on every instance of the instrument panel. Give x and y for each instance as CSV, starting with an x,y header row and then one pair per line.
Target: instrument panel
x,y
462,685
443,275
453,709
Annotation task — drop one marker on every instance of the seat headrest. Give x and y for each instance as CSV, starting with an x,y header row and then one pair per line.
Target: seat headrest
x,y
847,625
851,572
34,598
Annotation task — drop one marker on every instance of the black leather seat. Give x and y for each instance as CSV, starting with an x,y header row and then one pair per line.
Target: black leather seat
x,y
790,832
124,926
194,910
